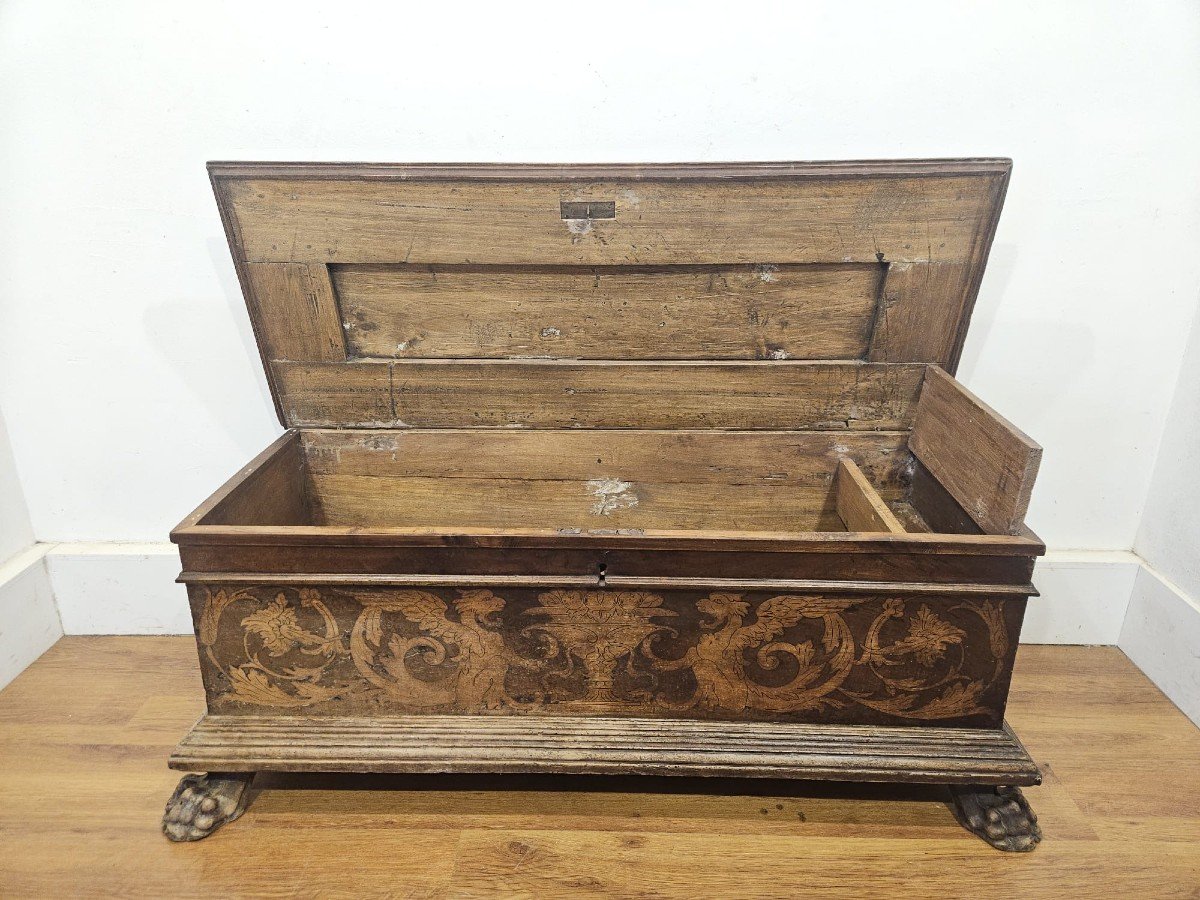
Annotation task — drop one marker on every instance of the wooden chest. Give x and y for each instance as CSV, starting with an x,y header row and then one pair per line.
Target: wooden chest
x,y
611,469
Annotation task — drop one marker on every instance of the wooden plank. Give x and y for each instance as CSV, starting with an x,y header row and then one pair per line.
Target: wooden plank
x,y
981,459
920,314
295,313
610,503
782,585
554,394
800,458
357,394
815,217
609,312
859,504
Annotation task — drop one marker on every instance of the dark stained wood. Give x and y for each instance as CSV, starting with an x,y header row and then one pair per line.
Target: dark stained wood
x,y
980,458
279,458
277,493
1022,545
885,565
937,508
805,586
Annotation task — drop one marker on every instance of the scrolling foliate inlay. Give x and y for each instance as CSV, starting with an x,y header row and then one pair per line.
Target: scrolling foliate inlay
x,y
718,655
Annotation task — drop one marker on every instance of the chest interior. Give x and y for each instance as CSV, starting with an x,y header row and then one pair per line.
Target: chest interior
x,y
696,349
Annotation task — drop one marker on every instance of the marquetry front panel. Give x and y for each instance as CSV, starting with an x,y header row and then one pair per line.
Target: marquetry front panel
x,y
749,655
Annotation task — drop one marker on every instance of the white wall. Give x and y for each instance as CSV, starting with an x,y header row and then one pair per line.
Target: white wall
x,y
1161,632
127,367
16,531
1169,536
29,622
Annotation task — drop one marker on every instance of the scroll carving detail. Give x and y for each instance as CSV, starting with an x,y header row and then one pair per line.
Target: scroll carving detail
x,y
601,651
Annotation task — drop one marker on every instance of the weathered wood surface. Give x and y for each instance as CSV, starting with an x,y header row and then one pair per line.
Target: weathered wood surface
x,y
772,481
859,505
1001,816
296,312
608,312
811,218
923,308
456,744
563,394
786,458
982,460
601,503
734,655
203,803
741,261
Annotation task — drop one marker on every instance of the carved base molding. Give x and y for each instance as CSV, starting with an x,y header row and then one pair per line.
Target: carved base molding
x,y
982,766
606,745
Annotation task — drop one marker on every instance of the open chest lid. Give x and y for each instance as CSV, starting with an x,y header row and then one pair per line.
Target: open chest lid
x,y
732,296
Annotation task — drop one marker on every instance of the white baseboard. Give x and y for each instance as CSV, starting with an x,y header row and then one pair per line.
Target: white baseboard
x,y
111,588
1084,597
130,589
1162,636
29,623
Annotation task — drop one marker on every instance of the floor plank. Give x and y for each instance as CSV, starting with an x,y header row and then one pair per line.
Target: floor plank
x,y
85,732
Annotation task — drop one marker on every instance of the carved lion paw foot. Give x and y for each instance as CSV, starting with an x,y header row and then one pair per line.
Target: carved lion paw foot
x,y
1001,816
203,803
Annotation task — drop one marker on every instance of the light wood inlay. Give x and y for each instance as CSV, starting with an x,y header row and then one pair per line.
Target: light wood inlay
x,y
859,504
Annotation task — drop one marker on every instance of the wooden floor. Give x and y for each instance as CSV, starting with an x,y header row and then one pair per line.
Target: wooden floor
x,y
85,732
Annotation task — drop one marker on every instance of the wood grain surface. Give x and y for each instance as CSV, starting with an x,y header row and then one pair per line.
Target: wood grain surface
x,y
859,504
608,312
984,461
85,733
565,394
589,479
813,219
876,261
